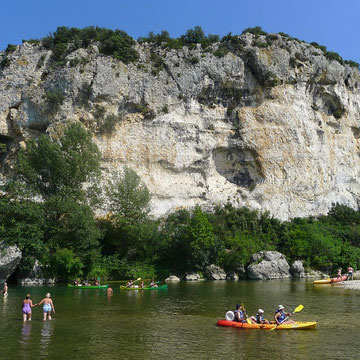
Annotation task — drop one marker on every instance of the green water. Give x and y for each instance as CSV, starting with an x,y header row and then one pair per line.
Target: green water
x,y
180,323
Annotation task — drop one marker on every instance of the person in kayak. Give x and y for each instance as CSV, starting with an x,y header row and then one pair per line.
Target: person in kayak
x,y
259,318
282,317
350,271
130,283
240,315
47,307
153,284
142,284
26,308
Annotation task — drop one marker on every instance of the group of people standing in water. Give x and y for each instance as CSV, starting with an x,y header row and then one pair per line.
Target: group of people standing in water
x,y
280,316
48,307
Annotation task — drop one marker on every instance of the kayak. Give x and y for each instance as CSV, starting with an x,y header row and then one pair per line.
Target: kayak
x,y
161,287
330,281
298,325
88,287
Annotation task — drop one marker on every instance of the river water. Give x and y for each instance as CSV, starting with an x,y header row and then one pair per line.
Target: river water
x,y
180,323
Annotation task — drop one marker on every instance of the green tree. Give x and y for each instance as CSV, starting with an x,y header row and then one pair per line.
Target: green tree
x,y
128,197
62,167
66,265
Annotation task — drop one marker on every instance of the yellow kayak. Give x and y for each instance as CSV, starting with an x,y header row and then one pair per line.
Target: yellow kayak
x,y
298,325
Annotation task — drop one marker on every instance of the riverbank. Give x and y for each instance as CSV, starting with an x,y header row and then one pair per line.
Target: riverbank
x,y
354,284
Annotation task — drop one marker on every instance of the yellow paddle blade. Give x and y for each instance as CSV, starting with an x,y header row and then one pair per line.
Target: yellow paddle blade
x,y
248,321
298,309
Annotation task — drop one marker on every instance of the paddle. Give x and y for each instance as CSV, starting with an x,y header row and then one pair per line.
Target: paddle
x,y
298,309
133,282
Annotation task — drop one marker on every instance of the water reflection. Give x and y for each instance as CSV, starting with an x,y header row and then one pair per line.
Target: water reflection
x,y
25,337
45,339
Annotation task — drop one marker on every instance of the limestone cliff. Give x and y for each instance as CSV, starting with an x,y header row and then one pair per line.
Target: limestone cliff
x,y
275,126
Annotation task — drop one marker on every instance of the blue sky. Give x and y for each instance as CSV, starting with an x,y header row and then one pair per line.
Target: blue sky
x,y
333,23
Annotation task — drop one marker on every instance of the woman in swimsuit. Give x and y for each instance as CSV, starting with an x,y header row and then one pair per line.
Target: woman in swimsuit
x,y
26,308
47,307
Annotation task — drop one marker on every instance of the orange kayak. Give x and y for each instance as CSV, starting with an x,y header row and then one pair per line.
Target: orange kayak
x,y
330,281
299,325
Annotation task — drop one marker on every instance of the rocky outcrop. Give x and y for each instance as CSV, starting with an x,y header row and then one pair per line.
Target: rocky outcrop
x,y
214,272
35,277
172,278
10,257
232,276
268,265
192,277
272,125
297,269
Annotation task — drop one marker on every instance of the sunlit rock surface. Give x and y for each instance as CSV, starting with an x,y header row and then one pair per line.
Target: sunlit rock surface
x,y
274,128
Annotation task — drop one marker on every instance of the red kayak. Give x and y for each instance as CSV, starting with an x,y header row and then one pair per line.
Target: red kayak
x,y
330,281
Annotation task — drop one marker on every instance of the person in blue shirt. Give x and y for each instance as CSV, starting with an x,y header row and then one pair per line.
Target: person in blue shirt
x,y
240,314
282,317
259,318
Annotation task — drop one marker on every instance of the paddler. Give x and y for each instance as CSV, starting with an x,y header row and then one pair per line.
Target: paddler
x,y
282,317
259,318
153,284
350,271
240,315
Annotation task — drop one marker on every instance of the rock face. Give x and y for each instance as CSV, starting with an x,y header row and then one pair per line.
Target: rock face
x,y
273,125
172,278
35,277
297,269
10,257
232,276
214,272
268,265
192,277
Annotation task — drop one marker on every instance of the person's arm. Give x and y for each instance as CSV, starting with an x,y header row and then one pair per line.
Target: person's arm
x,y
276,318
41,302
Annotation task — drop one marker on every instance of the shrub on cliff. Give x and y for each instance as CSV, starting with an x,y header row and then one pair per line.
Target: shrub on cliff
x,y
114,43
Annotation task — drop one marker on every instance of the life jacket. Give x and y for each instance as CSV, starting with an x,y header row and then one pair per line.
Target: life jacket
x,y
259,318
241,315
282,317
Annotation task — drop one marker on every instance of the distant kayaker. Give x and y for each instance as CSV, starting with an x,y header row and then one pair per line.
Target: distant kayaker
x,y
153,284
96,283
76,283
142,284
5,290
109,291
282,317
239,313
350,271
26,308
130,283
47,307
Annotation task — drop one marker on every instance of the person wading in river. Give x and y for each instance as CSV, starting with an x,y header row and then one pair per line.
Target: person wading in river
x,y
26,308
47,307
5,290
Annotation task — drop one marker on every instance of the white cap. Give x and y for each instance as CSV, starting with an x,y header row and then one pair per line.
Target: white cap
x,y
280,307
260,311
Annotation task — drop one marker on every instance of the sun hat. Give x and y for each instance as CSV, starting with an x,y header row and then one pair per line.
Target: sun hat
x,y
47,295
260,311
280,307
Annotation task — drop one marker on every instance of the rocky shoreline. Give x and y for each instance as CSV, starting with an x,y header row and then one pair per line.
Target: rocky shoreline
x,y
353,285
